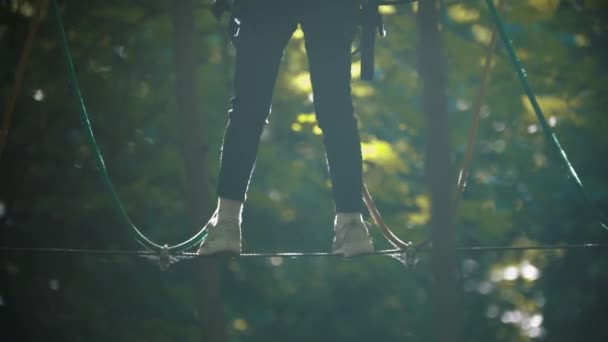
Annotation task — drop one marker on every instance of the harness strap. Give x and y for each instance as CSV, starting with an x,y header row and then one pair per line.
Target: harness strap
x,y
371,21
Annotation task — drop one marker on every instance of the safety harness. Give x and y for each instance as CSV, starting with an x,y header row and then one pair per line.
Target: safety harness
x,y
370,21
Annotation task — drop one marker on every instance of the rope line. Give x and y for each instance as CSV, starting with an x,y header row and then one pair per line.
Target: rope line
x,y
103,172
9,108
118,252
465,169
548,132
379,221
405,256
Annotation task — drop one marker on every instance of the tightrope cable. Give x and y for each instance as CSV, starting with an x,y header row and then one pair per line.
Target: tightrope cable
x,y
164,260
119,252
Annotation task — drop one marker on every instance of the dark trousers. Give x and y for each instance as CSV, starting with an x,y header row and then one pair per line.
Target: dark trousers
x,y
265,28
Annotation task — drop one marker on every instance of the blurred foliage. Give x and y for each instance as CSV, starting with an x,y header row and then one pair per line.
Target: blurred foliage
x,y
518,194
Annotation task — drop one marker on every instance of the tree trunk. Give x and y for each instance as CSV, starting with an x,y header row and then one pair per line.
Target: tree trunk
x,y
432,73
194,150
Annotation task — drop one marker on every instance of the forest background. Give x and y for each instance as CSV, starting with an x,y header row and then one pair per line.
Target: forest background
x,y
518,194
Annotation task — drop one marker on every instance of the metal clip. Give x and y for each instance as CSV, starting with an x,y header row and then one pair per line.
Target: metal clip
x,y
411,258
164,258
406,256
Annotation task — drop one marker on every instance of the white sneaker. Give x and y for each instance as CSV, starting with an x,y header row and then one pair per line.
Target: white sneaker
x,y
352,238
222,237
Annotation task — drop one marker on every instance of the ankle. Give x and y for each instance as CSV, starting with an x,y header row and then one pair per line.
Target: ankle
x,y
342,218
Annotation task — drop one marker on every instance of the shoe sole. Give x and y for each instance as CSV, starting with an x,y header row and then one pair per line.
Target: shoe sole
x,y
220,248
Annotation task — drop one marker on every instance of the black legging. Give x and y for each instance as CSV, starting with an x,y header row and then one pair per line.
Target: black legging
x,y
265,28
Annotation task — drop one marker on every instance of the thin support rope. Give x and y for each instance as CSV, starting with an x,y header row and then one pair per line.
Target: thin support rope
x,y
465,169
379,221
103,172
548,132
463,175
9,108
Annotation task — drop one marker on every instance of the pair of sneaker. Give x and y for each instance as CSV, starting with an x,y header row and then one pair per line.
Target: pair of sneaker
x,y
224,236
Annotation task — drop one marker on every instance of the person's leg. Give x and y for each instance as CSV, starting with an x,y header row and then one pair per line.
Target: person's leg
x,y
264,31
329,27
263,34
